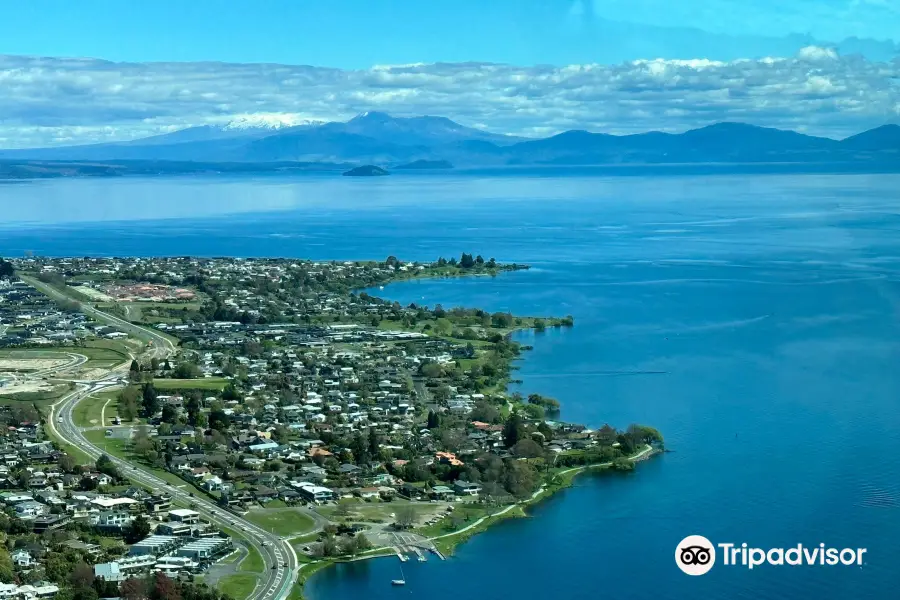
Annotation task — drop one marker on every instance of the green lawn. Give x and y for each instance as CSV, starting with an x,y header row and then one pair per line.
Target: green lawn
x,y
238,586
231,558
253,563
87,412
208,383
119,448
281,521
303,540
104,353
34,354
100,353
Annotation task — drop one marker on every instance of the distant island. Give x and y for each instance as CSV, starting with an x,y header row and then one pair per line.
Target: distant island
x,y
427,164
366,171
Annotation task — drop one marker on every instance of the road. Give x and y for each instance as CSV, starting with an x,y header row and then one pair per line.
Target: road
x,y
162,346
274,584
279,557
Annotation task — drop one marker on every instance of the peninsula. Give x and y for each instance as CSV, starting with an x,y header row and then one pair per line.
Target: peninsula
x,y
277,409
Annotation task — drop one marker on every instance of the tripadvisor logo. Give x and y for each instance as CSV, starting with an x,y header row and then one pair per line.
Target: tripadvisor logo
x,y
696,555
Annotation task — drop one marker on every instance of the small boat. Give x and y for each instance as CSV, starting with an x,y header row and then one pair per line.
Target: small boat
x,y
402,580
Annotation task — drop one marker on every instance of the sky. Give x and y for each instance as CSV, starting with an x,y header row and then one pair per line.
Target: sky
x,y
530,67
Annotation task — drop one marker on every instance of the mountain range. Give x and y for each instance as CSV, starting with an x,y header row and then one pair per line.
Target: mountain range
x,y
378,138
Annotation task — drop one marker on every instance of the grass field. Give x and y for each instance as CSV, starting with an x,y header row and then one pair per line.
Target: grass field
x,y
253,563
87,412
119,448
105,353
281,521
238,586
33,354
231,558
208,383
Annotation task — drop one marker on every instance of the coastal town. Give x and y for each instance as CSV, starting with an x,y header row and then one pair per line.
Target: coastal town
x,y
271,403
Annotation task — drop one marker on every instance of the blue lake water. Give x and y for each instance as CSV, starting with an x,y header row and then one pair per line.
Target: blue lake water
x,y
752,319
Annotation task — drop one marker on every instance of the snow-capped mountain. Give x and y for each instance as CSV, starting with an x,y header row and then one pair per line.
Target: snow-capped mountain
x,y
268,122
269,137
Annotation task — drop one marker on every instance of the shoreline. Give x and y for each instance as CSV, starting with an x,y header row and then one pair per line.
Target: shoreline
x,y
483,524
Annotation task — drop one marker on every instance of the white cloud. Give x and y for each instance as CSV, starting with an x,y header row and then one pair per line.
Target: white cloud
x,y
45,101
816,53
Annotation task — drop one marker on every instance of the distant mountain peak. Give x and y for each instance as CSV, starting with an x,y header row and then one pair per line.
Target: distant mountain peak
x,y
371,115
268,121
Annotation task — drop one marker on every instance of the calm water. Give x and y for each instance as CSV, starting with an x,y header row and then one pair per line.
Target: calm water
x,y
754,320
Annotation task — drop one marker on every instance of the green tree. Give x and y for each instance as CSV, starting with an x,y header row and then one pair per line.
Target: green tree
x,y
526,448
6,269
186,370
106,466
434,420
218,420
432,370
82,577
373,442
513,430
138,529
230,393
192,406
535,412
134,372
67,463
606,435
129,403
485,412
150,402
169,414
7,573
360,449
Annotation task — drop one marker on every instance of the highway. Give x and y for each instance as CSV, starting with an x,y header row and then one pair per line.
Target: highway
x,y
279,557
162,346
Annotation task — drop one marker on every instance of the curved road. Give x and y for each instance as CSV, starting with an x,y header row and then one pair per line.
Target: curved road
x,y
278,555
274,584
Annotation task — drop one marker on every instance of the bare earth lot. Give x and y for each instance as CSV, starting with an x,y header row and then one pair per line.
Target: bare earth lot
x,y
32,364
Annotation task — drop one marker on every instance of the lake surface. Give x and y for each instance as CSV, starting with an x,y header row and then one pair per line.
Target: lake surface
x,y
752,319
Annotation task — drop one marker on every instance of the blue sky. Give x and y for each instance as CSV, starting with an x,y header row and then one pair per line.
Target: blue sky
x,y
359,33
107,70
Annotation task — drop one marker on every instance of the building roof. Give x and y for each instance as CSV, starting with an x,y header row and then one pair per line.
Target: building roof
x,y
107,570
113,502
